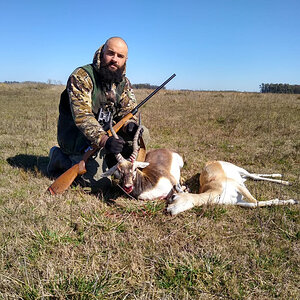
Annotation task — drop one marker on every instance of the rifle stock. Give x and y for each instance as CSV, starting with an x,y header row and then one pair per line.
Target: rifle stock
x,y
66,179
63,182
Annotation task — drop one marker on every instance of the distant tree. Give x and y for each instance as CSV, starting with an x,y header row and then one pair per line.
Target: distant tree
x,y
282,88
145,86
10,82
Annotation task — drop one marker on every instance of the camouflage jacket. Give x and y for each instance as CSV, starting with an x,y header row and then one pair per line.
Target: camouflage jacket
x,y
86,103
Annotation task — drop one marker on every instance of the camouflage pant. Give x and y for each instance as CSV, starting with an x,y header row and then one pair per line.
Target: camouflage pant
x,y
101,162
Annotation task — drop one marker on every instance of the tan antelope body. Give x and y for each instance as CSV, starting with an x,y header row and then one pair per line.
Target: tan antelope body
x,y
223,183
154,178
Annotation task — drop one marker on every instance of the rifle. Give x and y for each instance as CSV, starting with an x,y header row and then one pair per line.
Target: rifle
x,y
63,182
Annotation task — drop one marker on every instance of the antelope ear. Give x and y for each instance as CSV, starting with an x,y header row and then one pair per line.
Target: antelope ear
x,y
111,171
140,164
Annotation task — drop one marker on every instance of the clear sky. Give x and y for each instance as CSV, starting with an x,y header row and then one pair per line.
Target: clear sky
x,y
210,45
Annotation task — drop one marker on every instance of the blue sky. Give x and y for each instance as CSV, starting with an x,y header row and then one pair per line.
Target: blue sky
x,y
210,45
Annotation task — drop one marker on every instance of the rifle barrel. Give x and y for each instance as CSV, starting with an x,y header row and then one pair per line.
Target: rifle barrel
x,y
134,111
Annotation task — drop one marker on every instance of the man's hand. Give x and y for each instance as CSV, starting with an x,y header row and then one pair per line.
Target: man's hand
x,y
114,145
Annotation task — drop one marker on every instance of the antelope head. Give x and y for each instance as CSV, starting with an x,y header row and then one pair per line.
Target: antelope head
x,y
126,170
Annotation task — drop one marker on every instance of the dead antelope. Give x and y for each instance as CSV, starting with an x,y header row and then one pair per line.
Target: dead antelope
x,y
151,179
223,183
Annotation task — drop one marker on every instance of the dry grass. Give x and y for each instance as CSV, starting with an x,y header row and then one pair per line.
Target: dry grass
x,y
77,246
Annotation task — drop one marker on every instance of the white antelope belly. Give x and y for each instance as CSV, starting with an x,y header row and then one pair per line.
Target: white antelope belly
x,y
161,190
230,195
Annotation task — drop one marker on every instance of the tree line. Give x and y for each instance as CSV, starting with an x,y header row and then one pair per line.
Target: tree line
x,y
280,88
56,82
145,86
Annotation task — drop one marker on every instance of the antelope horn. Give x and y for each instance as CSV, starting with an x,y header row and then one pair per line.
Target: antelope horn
x,y
118,156
135,146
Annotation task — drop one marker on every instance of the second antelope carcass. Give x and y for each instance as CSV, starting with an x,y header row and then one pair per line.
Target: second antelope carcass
x,y
154,178
223,183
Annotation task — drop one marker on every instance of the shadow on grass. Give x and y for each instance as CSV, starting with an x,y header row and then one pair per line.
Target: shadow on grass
x,y
29,162
34,163
193,183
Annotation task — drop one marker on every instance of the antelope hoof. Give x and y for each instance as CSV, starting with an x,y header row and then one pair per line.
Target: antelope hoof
x,y
179,204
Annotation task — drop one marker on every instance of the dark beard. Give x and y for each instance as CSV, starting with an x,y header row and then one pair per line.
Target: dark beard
x,y
109,76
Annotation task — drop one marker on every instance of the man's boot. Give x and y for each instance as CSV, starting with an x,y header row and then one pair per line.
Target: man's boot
x,y
58,163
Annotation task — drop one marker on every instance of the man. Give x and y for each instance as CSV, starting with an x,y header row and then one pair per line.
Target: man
x,y
94,93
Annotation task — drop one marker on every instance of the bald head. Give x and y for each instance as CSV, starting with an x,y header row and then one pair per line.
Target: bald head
x,y
118,44
115,53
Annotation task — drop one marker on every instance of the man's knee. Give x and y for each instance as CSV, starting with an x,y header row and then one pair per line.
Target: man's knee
x,y
95,167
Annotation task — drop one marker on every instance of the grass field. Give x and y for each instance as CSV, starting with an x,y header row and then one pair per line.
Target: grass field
x,y
77,246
